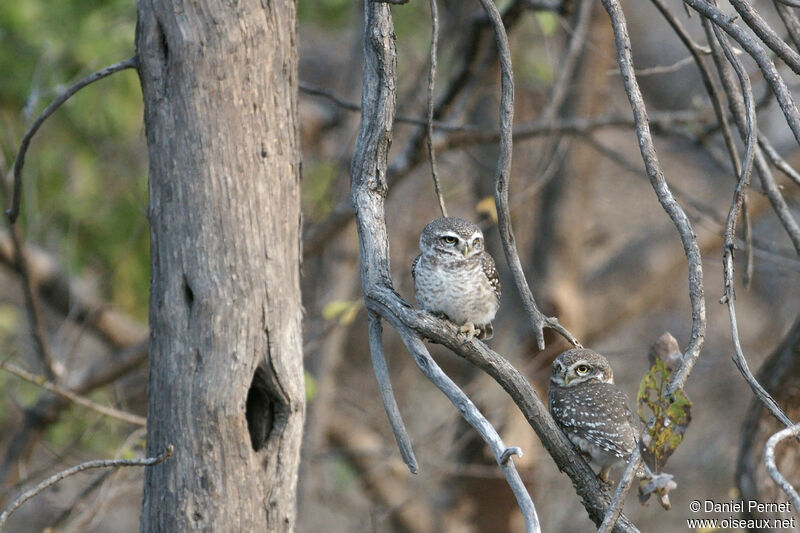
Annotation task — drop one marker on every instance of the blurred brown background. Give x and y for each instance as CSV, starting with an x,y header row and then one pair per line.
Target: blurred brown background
x,y
599,252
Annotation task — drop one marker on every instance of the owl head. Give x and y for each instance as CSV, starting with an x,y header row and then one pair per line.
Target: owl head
x,y
580,365
451,236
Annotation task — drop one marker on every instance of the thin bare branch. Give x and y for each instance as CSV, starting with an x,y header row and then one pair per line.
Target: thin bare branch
x,y
33,305
623,486
736,105
502,174
730,226
48,408
790,19
762,59
665,197
760,27
475,418
52,480
431,83
71,396
777,161
387,395
19,161
772,468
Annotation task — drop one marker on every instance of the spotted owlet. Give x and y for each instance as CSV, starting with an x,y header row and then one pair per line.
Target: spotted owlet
x,y
455,277
591,411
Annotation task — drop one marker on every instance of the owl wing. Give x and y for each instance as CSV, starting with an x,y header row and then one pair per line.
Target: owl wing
x,y
487,264
414,267
620,437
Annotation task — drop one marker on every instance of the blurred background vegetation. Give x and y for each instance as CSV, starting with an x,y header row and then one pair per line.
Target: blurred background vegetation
x,y
598,249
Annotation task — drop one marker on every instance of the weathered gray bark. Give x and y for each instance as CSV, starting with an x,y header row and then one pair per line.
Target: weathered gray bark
x,y
226,380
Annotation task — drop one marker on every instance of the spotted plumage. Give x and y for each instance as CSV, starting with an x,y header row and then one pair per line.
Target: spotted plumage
x,y
591,410
454,276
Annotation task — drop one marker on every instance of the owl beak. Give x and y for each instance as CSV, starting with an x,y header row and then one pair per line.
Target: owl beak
x,y
566,380
465,251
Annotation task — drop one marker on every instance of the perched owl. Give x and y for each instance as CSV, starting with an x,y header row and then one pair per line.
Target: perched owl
x,y
591,410
455,277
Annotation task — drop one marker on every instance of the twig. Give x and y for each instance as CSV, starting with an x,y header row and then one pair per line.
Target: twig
x,y
760,27
772,468
539,320
757,52
19,161
431,82
475,418
52,480
337,100
777,161
665,197
737,111
661,69
33,305
789,18
47,409
623,487
730,229
71,396
387,395
548,151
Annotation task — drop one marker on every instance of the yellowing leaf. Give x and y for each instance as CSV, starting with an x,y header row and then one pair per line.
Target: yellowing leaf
x,y
665,417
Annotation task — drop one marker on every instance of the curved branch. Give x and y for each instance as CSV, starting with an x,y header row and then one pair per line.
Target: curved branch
x,y
592,492
473,416
538,319
387,395
75,398
665,197
760,27
19,161
752,47
623,487
772,468
368,191
55,478
730,227
429,125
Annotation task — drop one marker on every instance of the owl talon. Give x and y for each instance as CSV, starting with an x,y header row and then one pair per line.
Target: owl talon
x,y
469,330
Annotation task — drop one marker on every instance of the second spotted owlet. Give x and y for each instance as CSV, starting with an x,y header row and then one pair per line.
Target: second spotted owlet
x,y
591,411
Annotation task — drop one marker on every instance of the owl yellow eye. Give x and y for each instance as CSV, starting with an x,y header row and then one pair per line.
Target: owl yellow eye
x,y
581,369
476,242
449,239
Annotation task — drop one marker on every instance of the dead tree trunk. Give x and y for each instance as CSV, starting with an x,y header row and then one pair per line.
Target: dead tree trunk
x,y
226,382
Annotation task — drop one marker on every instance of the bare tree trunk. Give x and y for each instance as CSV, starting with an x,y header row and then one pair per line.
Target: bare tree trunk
x,y
226,379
